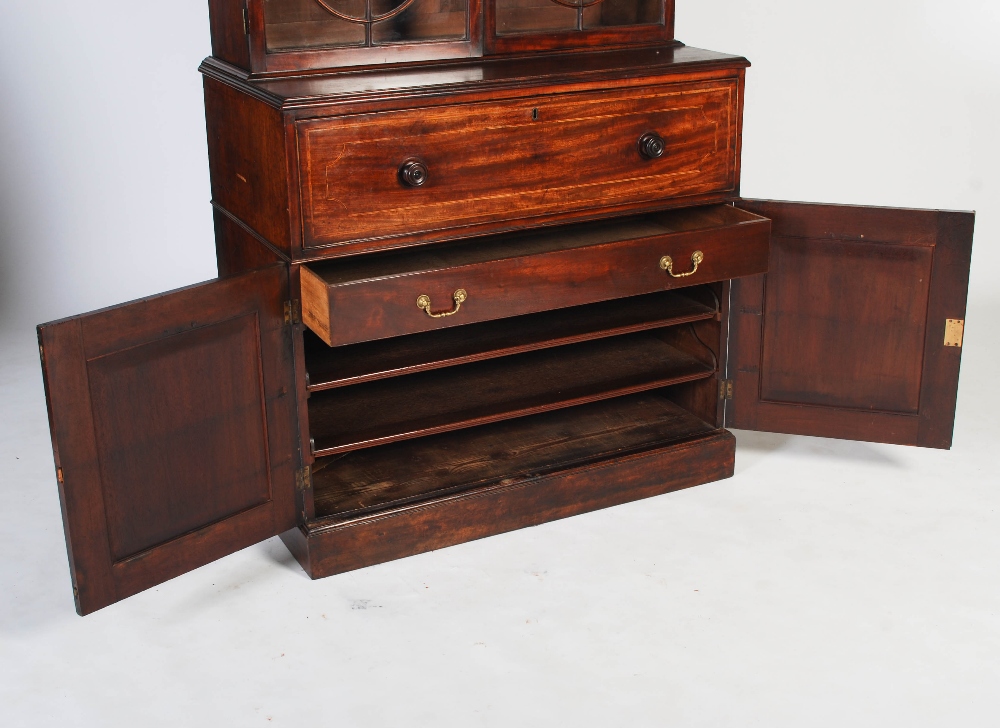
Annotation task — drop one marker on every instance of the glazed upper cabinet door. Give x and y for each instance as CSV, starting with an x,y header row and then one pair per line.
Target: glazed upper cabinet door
x,y
300,24
298,34
537,16
855,331
278,36
516,25
173,429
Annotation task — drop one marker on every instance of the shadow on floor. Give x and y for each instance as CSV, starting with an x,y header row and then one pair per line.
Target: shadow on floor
x,y
276,552
752,448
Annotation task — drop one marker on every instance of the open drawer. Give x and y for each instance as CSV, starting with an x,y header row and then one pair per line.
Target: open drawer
x,y
347,301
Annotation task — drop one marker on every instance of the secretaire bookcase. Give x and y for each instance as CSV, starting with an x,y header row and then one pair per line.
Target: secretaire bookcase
x,y
482,264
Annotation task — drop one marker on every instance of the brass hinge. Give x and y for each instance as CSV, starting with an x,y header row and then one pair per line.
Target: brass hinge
x,y
246,21
292,315
59,476
725,389
954,332
303,478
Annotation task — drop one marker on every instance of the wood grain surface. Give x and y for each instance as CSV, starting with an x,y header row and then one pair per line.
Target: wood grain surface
x,y
844,336
173,429
441,400
374,297
343,365
325,549
383,477
525,158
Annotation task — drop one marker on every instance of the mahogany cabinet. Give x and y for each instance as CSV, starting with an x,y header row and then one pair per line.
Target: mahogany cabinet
x,y
290,36
467,295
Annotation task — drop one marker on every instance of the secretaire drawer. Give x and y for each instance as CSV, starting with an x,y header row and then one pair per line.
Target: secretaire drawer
x,y
389,177
349,300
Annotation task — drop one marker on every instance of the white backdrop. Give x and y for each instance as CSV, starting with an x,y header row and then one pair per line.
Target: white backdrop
x,y
827,584
104,181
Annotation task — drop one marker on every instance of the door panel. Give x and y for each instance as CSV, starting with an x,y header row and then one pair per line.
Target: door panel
x,y
173,427
844,335
811,357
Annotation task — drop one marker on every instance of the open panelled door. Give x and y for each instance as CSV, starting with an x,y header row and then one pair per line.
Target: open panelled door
x,y
856,330
173,428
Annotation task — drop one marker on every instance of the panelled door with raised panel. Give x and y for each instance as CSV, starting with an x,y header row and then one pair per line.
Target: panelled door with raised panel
x,y
173,428
856,330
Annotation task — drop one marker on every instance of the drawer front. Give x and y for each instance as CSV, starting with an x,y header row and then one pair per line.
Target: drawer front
x,y
489,164
383,307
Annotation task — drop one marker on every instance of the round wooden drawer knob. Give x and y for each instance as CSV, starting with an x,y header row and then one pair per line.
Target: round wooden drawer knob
x,y
651,145
413,173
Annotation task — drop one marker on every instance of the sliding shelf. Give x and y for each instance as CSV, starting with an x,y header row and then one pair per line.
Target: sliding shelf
x,y
403,473
352,364
436,401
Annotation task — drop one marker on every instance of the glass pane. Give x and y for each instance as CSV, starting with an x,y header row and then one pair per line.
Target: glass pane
x,y
291,24
422,20
622,12
302,24
532,16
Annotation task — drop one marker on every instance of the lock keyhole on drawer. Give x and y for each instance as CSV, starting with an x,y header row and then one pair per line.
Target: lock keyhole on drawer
x,y
534,114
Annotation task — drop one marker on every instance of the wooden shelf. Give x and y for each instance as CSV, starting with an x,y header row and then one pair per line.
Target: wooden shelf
x,y
488,391
385,477
339,366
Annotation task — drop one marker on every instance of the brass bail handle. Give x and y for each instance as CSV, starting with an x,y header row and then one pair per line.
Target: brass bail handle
x,y
424,304
667,264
